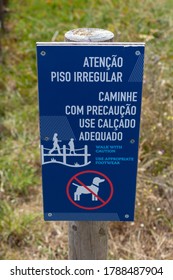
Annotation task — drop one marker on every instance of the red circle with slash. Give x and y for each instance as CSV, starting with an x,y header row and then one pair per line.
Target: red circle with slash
x,y
103,202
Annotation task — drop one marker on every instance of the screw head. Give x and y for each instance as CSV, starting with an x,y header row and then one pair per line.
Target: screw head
x,y
49,214
137,52
132,141
126,216
43,53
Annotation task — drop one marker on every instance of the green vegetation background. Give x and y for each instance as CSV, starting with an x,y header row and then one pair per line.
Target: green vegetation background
x,y
23,233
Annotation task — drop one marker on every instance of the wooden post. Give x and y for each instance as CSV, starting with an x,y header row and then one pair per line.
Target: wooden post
x,y
3,10
88,239
1,15
89,35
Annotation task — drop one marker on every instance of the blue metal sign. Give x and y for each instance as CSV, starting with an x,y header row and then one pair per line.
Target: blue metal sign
x,y
89,103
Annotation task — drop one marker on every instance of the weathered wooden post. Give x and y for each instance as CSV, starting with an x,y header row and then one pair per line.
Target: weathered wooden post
x,y
88,240
3,10
1,15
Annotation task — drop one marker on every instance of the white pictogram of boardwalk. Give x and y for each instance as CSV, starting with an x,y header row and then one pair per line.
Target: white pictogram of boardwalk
x,y
61,155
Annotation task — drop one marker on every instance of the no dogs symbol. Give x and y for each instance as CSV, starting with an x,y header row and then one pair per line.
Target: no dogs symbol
x,y
89,190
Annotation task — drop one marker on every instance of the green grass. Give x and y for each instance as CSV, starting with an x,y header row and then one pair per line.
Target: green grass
x,y
20,178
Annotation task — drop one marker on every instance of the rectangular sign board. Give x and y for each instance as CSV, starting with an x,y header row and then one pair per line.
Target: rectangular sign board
x,y
89,103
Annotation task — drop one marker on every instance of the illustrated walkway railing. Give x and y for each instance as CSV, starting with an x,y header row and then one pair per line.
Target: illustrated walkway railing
x,y
65,153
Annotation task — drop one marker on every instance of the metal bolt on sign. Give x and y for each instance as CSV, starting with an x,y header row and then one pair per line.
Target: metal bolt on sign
x,y
43,53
